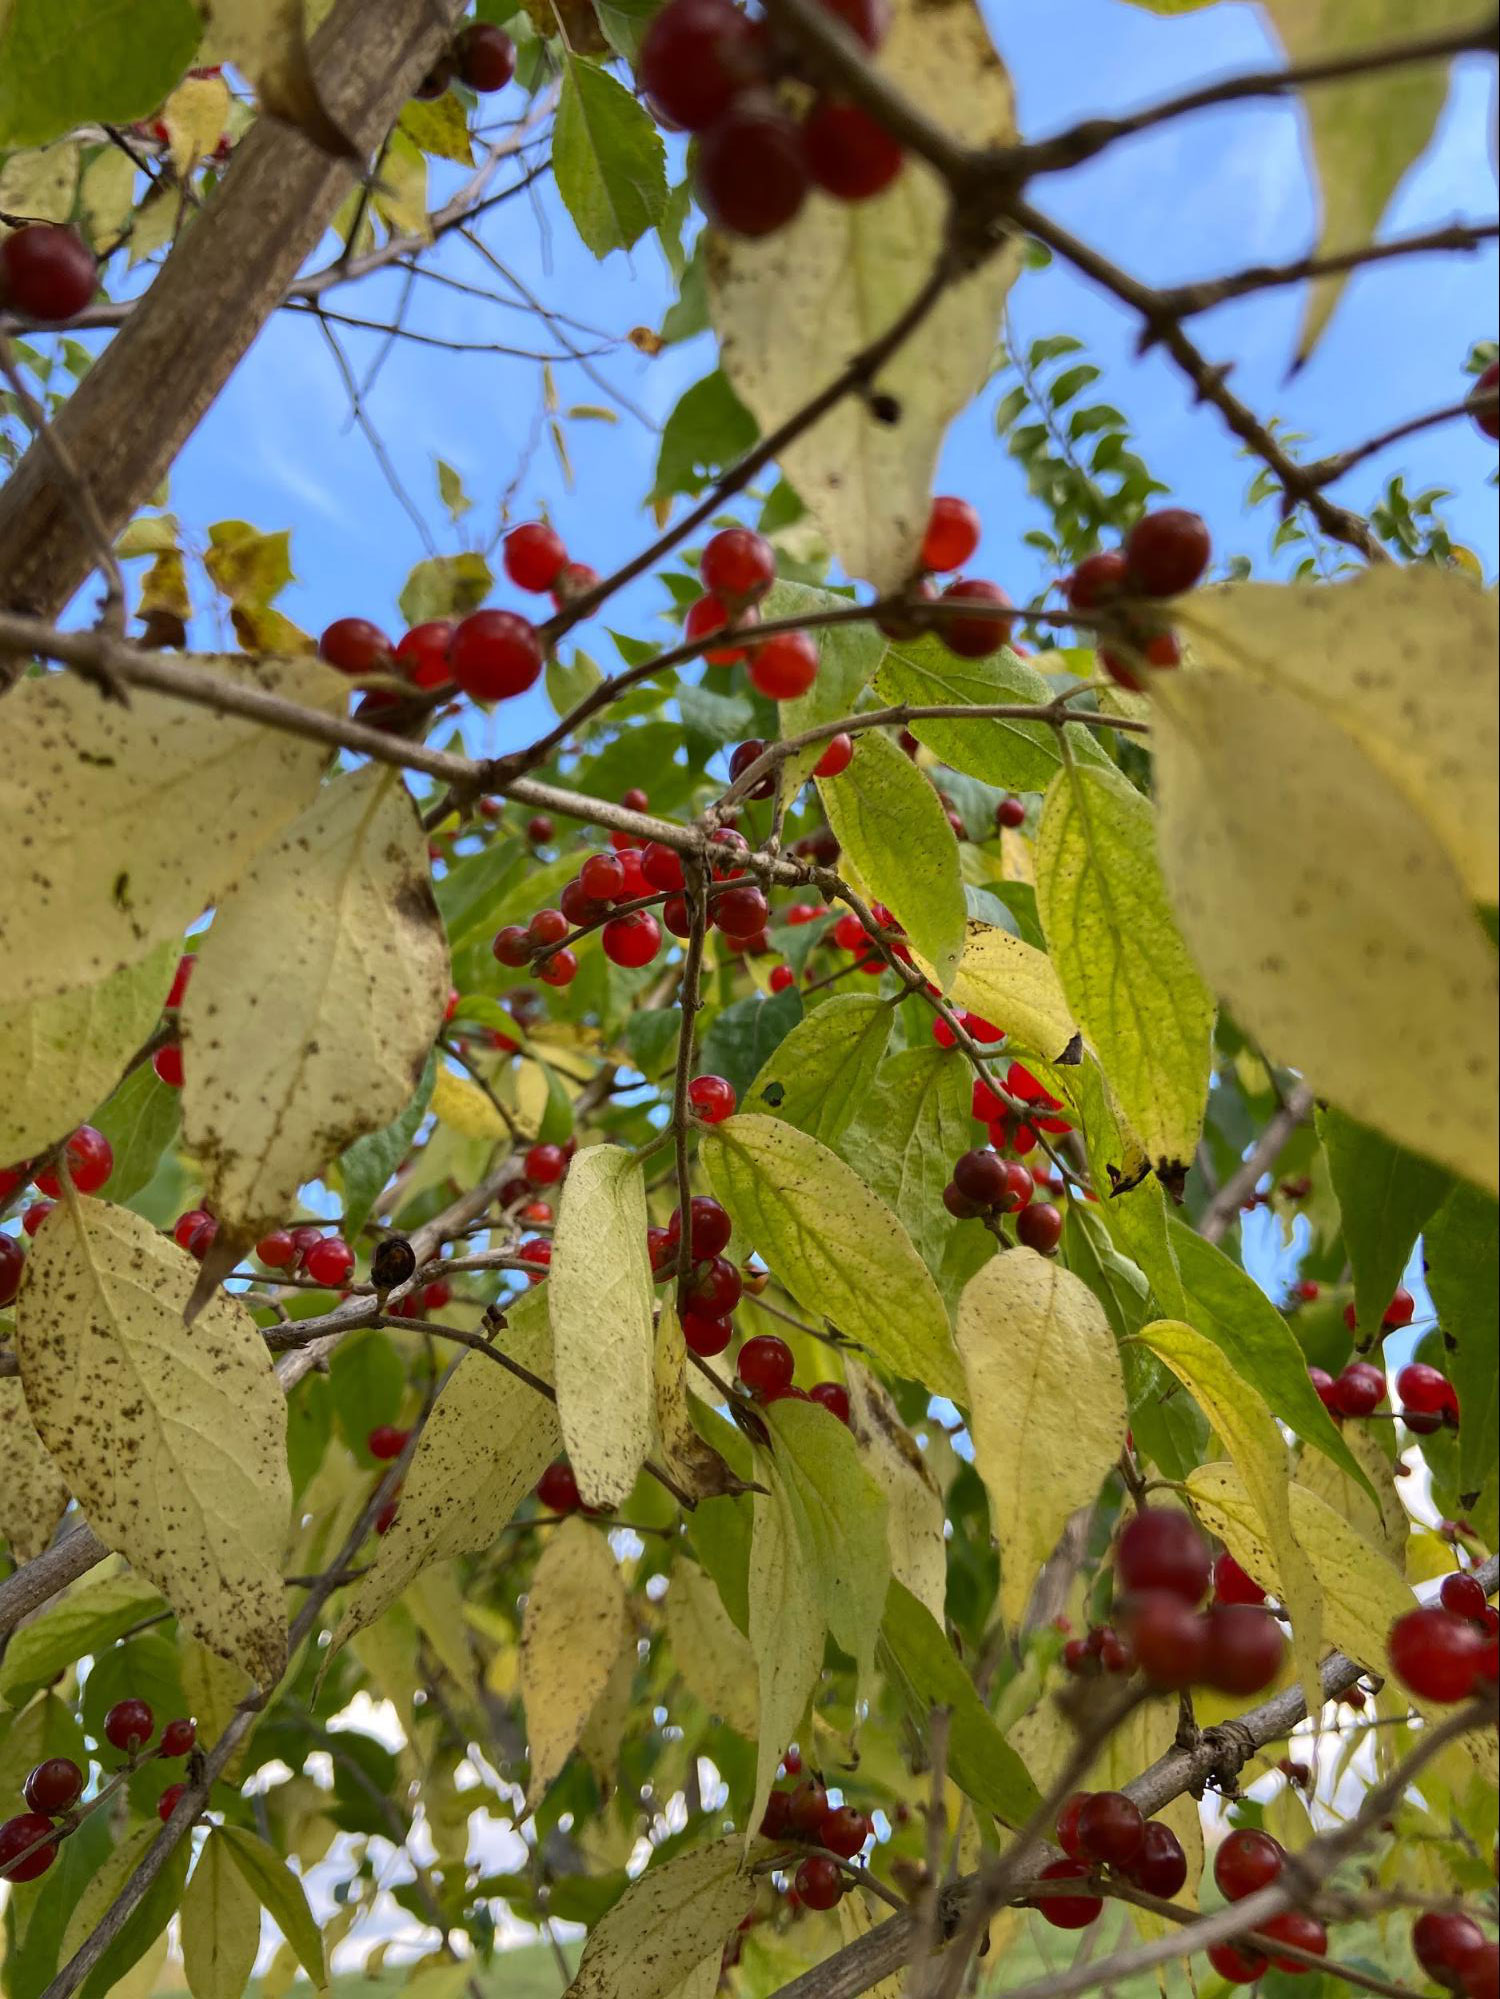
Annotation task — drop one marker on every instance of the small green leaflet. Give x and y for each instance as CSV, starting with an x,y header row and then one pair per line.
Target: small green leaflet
x,y
817,1078
608,159
708,430
369,1162
140,1121
72,62
1385,1197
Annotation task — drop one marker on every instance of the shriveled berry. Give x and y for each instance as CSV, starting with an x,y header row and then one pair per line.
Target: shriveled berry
x,y
784,666
974,636
1245,1648
495,654
51,1787
1167,551
1161,1549
557,1488
1067,1912
129,1725
766,1365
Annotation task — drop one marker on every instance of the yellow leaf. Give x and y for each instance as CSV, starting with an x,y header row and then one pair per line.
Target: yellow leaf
x,y
1047,1406
488,1440
1402,657
214,1688
1011,983
33,1491
266,41
1382,1521
315,999
855,1921
1249,1433
196,116
713,1657
571,1632
459,1103
173,1440
611,1716
667,1922
60,1057
247,566
106,195
40,184
1329,919
686,1452
792,308
914,1506
164,587
787,1629
401,187
220,1926
165,804
601,1294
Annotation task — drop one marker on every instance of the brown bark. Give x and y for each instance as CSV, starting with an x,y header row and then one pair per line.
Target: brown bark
x,y
129,418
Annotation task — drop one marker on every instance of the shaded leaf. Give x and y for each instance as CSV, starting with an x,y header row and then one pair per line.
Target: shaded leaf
x,y
1385,1196
570,1638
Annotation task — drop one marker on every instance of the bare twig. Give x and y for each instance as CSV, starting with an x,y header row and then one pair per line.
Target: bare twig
x,y
1223,1209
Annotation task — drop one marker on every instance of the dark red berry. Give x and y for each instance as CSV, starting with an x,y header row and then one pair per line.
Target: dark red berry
x,y
785,666
422,654
696,58
512,946
1161,1549
166,1804
545,1165
1485,385
495,654
715,1287
47,272
1442,1940
738,565
1167,551
129,1725
975,636
1234,1964
705,1335
955,1200
1247,1860
486,57
712,1097
834,1397
1067,1912
178,1737
1170,1639
356,646
23,1831
1480,1969
1359,1390
1010,812
1295,1926
711,1227
1111,1828
1160,1868
980,1177
752,168
776,1820
1096,579
385,1519
743,756
676,917
1067,1820
1040,1227
1232,1585
1463,1596
766,1365
809,1807
1434,1654
1019,1187
1245,1648
539,829
533,554
631,941
819,1882
386,1441
91,1160
843,1831
1322,1382
557,1488
53,1786
741,912
852,156
836,759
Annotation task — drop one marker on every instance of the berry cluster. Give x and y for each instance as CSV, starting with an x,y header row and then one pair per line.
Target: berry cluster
x,y
1455,1953
47,272
1163,1568
737,568
706,67
766,1366
985,1184
1429,1401
1247,1861
481,56
305,1251
970,615
1450,1650
806,1815
1165,553
52,1790
1108,1829
90,1160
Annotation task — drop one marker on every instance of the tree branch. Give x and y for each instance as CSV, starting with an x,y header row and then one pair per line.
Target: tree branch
x,y
1225,1206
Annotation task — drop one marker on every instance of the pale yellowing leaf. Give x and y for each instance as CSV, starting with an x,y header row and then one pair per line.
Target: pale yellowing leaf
x,y
914,1506
611,1716
1363,1592
220,1926
196,116
711,1653
791,309
1009,982
61,1056
213,1688
33,1492
487,1441
106,195
315,999
1402,657
787,1629
40,183
116,1869
1046,1398
571,1632
459,1103
1115,945
687,1454
266,40
1260,1455
835,1246
1329,918
601,1294
172,1439
165,803
665,1924
1382,1521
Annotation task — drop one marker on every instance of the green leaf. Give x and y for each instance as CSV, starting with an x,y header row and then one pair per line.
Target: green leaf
x,y
451,490
1013,755
1465,1284
140,1121
836,1246
146,1920
744,1036
281,1896
891,825
786,1629
848,656
89,1618
470,895
567,684
1385,1197
624,23
71,62
909,1126
607,158
980,1760
840,1514
368,1378
367,1165
1123,965
220,1925
679,1912
445,586
707,431
817,1078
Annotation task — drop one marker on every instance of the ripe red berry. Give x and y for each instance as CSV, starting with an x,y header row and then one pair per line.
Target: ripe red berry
x,y
330,1261
738,564
1170,1639
782,978
1067,1912
1247,1860
485,55
752,168
951,535
1442,1940
955,1200
776,1819
422,655
1245,1648
1400,1310
980,1177
1161,1549
1359,1390
602,878
834,1397
1232,1585
975,636
843,1830
12,1262
1235,1965
129,1725
385,1441
705,1335
1322,1382
1488,419
1160,1868
765,1365
47,272
1428,1391
1167,551
1434,1654
1111,1828
1067,1819
710,1223
533,554
675,916
91,1160
712,1098
495,654
21,1832
512,945
1096,579
808,1808
708,615
53,1786
167,1062
715,1287
1480,1970
697,56
574,580
819,1882
851,156
539,829
385,1519
1309,1290
305,1237
545,1165
557,1488
166,1804
1295,1926
178,1737
1463,1595
662,866
785,666
1019,1187
356,646
1040,1227
1010,812
633,940
741,912
834,761
741,758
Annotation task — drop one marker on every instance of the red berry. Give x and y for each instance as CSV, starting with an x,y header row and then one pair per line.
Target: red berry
x,y
715,1287
495,654
752,168
1111,1828
951,536
91,1160
705,1335
178,1737
385,1441
1295,1926
1167,551
1161,1549
533,554
1323,1386
354,645
776,1819
1309,1290
539,829
23,1831
980,1177
53,1786
843,1831
782,978
675,916
486,59
330,1262
819,1882
711,1227
765,1365
835,759
633,940
12,1261
852,156
1245,1648
195,1231
1359,1390
423,654
1170,1639
955,1200
1434,1654
511,946
1442,1940
712,1098
785,666
1232,1585
180,979
1400,1310
745,754
129,1725
1019,1187
47,273
662,866
167,1062
1463,1596
1239,1967
1010,812
834,1397
707,616
696,58
545,1165
547,927
738,565
1067,1818
1067,1912
1480,1971
1427,1391
166,1804
385,1519
975,636
1160,1868
741,912
1246,1861
574,580
557,1488
33,1217
1096,579
1488,419
1040,1227
808,1808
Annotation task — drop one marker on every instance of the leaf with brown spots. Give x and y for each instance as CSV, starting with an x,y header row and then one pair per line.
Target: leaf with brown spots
x,y
315,999
571,1636
173,1441
686,1452
33,1492
665,1924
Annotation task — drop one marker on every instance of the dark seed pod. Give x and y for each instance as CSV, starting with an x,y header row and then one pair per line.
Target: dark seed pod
x,y
393,1262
